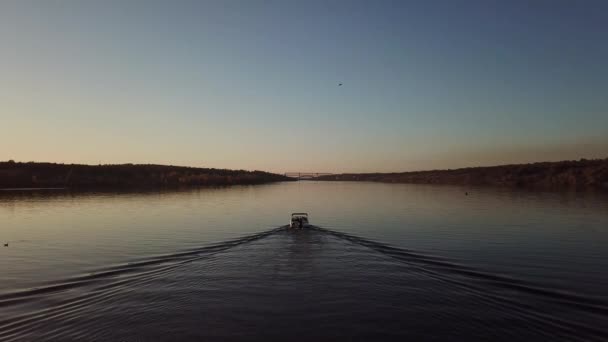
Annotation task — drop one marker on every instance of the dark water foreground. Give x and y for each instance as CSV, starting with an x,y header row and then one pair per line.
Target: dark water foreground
x,y
386,262
298,285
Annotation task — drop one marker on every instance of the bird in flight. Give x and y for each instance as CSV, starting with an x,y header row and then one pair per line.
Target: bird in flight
x,y
339,84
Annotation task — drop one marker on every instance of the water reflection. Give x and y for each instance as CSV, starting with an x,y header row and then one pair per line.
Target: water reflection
x,y
552,238
388,261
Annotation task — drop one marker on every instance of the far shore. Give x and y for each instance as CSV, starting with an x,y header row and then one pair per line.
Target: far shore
x,y
584,173
33,176
30,189
52,176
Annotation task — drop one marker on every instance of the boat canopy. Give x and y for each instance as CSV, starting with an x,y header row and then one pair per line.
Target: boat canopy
x,y
299,214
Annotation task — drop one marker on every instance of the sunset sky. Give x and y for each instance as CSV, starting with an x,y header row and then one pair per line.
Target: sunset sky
x,y
254,84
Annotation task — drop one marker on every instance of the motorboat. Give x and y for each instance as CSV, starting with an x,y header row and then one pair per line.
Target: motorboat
x,y
299,220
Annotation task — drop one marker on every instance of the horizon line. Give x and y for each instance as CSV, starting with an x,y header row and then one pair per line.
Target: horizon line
x,y
308,172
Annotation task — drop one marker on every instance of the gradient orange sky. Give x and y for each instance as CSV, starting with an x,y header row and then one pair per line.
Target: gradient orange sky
x,y
254,85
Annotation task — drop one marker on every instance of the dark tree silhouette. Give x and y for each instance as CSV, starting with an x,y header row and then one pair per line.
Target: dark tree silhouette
x,y
18,175
583,173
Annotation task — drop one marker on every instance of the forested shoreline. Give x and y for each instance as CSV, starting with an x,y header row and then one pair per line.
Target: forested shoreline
x,y
41,175
582,173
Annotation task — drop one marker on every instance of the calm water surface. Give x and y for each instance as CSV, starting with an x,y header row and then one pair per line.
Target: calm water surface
x,y
383,261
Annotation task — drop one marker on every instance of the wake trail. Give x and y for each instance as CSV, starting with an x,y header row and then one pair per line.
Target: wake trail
x,y
103,284
110,280
440,270
435,264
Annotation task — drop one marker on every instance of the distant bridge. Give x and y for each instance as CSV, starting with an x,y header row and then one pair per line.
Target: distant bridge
x,y
306,175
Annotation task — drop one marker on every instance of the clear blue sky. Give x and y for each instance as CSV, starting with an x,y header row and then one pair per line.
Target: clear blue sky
x,y
254,84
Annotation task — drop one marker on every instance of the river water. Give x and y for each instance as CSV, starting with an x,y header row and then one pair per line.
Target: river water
x,y
382,262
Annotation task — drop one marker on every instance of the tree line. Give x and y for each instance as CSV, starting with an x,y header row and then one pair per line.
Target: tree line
x,y
32,174
583,173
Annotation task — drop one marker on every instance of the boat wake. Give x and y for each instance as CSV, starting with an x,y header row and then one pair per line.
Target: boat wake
x,y
100,284
484,284
64,300
438,266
